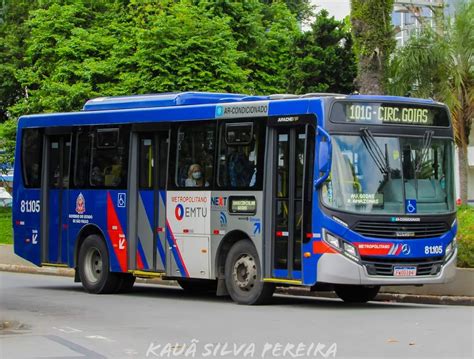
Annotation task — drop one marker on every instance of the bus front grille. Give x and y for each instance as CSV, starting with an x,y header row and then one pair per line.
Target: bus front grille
x,y
400,230
384,266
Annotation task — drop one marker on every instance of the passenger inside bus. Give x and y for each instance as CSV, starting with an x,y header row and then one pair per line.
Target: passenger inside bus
x,y
196,177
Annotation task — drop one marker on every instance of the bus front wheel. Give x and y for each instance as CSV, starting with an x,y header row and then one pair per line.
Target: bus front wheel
x,y
356,293
94,268
243,276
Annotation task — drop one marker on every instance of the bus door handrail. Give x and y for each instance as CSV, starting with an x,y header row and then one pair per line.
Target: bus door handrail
x,y
326,174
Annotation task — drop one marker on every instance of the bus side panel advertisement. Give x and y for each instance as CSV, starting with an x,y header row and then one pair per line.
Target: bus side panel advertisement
x,y
189,212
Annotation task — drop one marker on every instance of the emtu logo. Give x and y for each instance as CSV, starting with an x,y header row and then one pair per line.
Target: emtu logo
x,y
179,212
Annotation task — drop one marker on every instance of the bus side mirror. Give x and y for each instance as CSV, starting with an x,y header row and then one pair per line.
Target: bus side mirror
x,y
323,157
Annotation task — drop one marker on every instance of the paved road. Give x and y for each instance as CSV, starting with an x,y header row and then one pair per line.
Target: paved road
x,y
51,317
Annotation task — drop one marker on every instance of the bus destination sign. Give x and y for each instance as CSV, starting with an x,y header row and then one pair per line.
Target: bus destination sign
x,y
389,113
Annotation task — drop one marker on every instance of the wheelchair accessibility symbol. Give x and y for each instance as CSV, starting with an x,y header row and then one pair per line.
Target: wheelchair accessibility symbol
x,y
121,200
410,206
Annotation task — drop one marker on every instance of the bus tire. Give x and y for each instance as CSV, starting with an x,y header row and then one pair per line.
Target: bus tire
x,y
94,269
356,293
243,275
126,283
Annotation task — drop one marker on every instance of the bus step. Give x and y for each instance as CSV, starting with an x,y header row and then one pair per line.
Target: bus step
x,y
61,265
145,274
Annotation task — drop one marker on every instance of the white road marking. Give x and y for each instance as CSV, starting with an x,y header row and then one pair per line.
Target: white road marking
x,y
100,337
68,330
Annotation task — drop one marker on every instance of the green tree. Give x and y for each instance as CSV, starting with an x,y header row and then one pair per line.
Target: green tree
x,y
323,59
67,57
374,42
440,65
177,47
13,33
302,9
264,32
7,141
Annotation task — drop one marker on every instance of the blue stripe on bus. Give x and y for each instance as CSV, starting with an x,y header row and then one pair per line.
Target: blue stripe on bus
x,y
161,250
175,251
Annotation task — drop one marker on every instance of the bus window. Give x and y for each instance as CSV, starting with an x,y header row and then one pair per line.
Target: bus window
x,y
239,148
60,148
195,150
82,161
32,145
109,158
147,162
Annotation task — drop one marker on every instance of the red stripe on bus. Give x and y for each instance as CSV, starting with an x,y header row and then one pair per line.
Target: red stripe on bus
x,y
117,237
319,247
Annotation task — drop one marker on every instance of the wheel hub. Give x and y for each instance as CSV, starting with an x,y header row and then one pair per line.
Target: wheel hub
x,y
93,265
245,272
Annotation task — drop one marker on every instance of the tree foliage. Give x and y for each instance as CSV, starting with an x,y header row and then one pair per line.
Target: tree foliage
x,y
68,56
440,65
57,54
13,33
323,59
374,42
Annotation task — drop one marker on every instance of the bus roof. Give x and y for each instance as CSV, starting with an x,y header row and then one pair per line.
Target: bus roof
x,y
200,98
164,100
117,109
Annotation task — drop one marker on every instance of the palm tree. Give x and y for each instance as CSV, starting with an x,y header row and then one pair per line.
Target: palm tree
x,y
439,64
372,31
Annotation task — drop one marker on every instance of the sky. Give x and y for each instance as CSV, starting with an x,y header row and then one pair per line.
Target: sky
x,y
337,8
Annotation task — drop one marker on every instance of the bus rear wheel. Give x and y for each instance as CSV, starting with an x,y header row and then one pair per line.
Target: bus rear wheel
x,y
356,293
94,269
243,275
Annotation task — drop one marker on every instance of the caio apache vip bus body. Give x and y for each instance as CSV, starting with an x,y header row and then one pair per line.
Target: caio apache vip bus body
x,y
240,193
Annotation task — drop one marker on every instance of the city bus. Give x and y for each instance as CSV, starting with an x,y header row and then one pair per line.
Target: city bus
x,y
239,194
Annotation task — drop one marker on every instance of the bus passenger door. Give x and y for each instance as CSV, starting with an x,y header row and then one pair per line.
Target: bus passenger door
x,y
54,201
289,179
150,243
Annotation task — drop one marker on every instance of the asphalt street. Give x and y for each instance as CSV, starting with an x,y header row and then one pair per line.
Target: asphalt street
x,y
52,317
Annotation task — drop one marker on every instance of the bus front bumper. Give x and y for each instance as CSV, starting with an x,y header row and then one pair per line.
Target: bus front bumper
x,y
336,268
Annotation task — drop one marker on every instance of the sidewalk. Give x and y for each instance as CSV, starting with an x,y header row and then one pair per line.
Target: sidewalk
x,y
460,292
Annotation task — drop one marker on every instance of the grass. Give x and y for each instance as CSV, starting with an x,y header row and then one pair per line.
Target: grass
x,y
465,233
466,237
6,229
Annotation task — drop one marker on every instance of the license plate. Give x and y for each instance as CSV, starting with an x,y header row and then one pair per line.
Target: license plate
x,y
404,271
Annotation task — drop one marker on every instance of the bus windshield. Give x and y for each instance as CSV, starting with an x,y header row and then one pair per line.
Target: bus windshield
x,y
386,175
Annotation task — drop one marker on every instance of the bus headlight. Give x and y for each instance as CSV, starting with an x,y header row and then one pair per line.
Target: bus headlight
x,y
450,249
346,248
351,251
332,240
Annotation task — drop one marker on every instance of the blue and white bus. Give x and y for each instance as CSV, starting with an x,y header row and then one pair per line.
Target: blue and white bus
x,y
239,194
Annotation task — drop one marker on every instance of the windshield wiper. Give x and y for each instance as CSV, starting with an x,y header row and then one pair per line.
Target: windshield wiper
x,y
375,151
427,137
425,149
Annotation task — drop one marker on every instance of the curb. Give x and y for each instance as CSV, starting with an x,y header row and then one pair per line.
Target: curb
x,y
64,272
389,297
381,297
